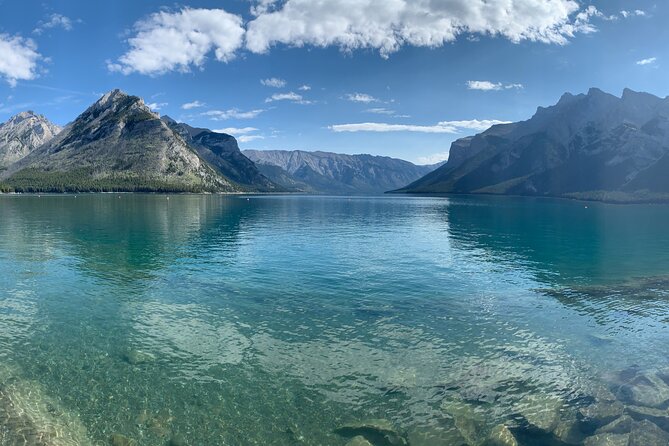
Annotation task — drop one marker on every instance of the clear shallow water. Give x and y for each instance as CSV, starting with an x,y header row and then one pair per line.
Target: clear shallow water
x,y
276,320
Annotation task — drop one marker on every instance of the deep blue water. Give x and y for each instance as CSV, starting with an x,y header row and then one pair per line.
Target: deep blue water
x,y
276,320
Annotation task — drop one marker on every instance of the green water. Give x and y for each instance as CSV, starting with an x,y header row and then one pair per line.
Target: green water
x,y
212,320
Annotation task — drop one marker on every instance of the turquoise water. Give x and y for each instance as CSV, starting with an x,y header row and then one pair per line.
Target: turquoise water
x,y
276,320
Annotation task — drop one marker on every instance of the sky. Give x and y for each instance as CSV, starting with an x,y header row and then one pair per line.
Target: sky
x,y
400,78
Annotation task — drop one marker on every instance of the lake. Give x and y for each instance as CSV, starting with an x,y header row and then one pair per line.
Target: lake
x,y
284,320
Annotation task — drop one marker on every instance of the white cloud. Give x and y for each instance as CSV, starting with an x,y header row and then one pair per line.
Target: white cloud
x,y
181,40
249,138
273,82
18,59
649,61
361,97
491,86
54,21
441,127
305,88
387,25
636,12
432,159
380,111
168,41
156,106
221,115
237,131
192,105
290,96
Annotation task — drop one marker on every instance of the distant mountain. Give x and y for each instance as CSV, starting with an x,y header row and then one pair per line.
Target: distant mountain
x,y
22,134
333,173
591,146
118,144
222,152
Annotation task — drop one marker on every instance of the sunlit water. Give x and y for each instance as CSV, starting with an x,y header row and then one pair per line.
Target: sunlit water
x,y
209,320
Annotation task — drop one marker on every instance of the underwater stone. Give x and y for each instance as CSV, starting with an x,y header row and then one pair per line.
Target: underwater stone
x,y
646,433
568,430
177,440
501,436
469,423
645,390
138,357
657,416
607,439
359,441
541,412
379,432
622,425
121,440
599,414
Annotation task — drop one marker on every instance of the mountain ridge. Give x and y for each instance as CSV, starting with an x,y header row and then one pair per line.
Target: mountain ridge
x,y
116,144
590,146
329,172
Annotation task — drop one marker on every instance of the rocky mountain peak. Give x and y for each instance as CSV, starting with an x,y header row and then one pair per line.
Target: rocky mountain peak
x,y
22,134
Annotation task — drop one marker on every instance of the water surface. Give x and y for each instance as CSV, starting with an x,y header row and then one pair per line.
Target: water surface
x,y
275,320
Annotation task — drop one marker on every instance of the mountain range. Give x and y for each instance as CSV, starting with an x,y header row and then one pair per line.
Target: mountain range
x,y
119,144
593,146
334,173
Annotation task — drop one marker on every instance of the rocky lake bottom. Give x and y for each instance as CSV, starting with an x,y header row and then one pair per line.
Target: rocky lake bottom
x,y
295,320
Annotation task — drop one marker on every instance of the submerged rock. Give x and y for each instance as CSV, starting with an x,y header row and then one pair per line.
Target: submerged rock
x,y
431,436
607,439
469,423
568,430
645,433
138,357
177,440
657,416
541,412
622,425
501,436
378,432
121,440
646,389
359,441
601,413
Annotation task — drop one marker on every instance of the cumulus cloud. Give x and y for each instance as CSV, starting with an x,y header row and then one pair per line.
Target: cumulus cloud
x,y
54,21
649,61
18,59
305,88
361,97
273,82
388,25
432,159
168,41
290,96
221,115
192,105
441,127
491,86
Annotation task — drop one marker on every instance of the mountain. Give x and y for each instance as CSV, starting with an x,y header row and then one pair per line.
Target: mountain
x,y
333,173
591,146
118,144
222,152
22,134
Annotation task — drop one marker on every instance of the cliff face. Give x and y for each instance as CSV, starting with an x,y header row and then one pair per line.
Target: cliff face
x,y
222,152
593,146
22,134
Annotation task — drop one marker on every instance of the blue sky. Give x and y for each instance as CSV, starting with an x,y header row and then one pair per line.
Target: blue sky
x,y
402,78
